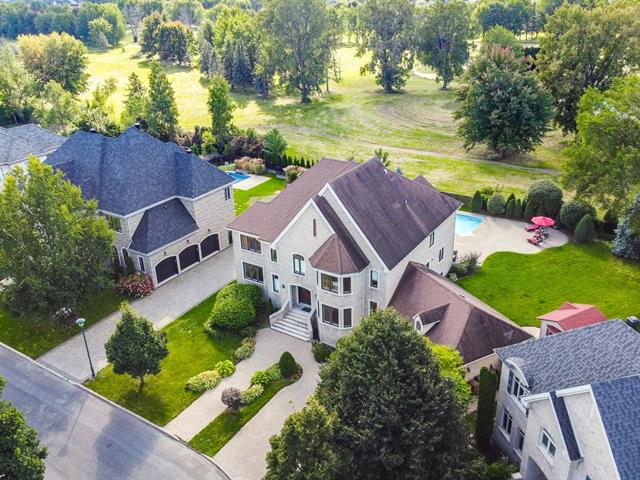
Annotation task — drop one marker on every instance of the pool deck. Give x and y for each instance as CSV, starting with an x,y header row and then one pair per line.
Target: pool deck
x,y
503,235
250,182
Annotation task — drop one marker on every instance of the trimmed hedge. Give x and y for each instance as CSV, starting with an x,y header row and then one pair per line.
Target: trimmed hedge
x,y
585,230
544,198
231,314
204,381
225,368
245,350
572,212
476,202
241,292
265,377
287,365
486,409
252,393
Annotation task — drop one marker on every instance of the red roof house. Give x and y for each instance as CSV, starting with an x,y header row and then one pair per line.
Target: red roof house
x,y
569,316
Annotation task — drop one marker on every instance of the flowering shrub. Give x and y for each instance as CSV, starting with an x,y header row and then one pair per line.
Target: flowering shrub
x,y
245,350
203,381
225,368
251,394
265,377
253,165
137,285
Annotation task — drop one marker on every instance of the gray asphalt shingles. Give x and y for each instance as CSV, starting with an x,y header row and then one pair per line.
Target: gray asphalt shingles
x,y
17,143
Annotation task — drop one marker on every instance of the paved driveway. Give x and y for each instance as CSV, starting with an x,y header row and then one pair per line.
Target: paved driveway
x,y
89,437
503,235
161,307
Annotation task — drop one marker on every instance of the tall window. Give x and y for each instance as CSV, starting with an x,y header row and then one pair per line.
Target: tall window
x,y
230,235
547,443
432,239
520,440
441,254
114,223
299,265
330,315
141,263
227,194
252,272
373,306
329,283
374,278
250,243
514,387
274,255
346,285
275,281
507,421
346,318
315,229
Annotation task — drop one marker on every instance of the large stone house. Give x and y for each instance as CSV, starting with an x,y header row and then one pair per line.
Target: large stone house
x,y
18,143
567,404
168,208
346,239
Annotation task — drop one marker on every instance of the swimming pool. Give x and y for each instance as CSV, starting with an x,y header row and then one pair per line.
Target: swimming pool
x,y
238,176
466,224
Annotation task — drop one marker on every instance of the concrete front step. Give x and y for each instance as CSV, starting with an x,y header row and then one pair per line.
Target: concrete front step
x,y
279,327
294,326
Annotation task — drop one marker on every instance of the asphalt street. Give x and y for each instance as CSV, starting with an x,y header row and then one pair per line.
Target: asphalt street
x,y
90,438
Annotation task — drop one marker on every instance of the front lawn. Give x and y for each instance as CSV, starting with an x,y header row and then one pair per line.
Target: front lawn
x,y
265,191
36,336
191,351
214,436
523,287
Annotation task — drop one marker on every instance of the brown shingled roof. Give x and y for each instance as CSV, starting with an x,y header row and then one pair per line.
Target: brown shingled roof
x,y
463,321
395,213
268,220
340,253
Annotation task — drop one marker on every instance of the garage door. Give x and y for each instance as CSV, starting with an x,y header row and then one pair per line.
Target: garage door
x,y
189,256
167,268
210,245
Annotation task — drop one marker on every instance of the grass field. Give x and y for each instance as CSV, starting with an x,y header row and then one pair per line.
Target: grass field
x,y
245,198
34,337
416,127
523,287
214,436
191,351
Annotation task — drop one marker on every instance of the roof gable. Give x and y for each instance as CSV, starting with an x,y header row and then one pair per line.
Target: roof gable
x,y
394,213
574,315
133,171
17,143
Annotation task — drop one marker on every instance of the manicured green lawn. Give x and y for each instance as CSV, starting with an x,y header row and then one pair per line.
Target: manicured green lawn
x,y
265,191
352,121
36,336
523,287
216,435
191,351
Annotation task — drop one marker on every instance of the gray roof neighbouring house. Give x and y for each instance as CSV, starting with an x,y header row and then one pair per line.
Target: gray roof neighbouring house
x,y
134,170
161,225
17,143
395,213
460,320
617,402
583,356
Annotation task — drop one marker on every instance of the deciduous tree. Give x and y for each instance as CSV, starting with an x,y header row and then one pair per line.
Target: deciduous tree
x,y
136,348
220,106
386,29
503,105
188,12
444,35
21,455
57,57
300,38
17,87
53,244
584,48
604,163
57,109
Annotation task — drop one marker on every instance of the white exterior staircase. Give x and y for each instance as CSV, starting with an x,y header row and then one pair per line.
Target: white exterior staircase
x,y
294,322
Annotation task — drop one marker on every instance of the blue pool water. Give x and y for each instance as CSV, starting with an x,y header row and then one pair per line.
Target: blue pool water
x,y
237,175
466,224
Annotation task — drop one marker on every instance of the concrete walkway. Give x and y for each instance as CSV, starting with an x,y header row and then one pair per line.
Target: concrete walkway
x,y
244,457
163,306
252,181
503,235
269,346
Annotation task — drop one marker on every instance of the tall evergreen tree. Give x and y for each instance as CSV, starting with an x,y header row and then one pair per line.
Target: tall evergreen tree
x,y
135,102
161,113
228,62
241,75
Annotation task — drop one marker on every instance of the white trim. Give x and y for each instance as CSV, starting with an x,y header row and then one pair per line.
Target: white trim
x,y
604,432
534,398
164,247
366,240
294,220
573,391
511,363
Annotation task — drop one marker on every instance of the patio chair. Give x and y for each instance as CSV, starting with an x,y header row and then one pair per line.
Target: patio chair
x,y
535,241
531,228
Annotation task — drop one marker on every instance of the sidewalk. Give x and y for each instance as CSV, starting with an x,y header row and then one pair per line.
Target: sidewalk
x,y
269,346
161,307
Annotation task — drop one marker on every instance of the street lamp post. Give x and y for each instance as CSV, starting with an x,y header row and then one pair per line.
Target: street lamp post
x,y
80,322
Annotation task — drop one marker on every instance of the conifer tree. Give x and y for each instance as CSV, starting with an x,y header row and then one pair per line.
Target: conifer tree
x,y
162,113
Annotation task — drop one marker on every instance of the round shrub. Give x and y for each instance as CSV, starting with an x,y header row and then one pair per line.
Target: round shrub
x,y
245,350
231,314
265,377
585,230
476,202
252,393
203,381
320,351
547,194
232,398
225,368
572,211
495,205
287,365
241,292
137,285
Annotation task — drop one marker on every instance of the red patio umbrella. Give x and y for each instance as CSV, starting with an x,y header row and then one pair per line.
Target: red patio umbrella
x,y
543,221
